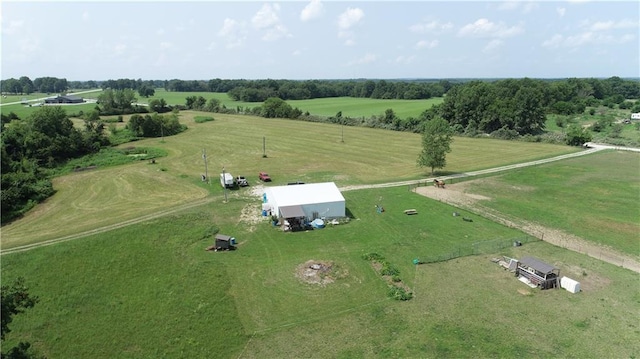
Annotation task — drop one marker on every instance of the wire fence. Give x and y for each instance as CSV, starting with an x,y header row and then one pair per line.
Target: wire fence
x,y
484,247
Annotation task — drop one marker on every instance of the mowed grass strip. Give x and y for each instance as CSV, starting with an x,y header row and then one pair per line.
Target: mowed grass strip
x,y
150,290
595,197
305,151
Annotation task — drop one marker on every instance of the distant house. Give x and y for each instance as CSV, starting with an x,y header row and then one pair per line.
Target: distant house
x,y
635,116
64,99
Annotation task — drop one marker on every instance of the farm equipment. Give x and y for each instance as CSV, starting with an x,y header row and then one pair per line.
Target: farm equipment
x,y
241,181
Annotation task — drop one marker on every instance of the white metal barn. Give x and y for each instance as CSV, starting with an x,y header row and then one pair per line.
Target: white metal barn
x,y
311,201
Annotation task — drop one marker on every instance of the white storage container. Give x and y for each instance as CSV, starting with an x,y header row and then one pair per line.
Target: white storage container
x,y
570,284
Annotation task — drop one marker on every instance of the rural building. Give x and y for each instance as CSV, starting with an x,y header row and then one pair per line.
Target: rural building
x,y
64,99
538,273
224,242
304,202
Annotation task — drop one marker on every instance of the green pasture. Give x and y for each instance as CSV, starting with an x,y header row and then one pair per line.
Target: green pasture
x,y
304,151
151,290
595,197
350,106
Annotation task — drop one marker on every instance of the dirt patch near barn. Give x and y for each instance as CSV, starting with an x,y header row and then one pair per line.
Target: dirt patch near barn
x,y
455,195
319,272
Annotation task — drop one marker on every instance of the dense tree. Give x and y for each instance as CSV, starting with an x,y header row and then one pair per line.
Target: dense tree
x,y
158,105
117,101
195,103
43,140
15,299
146,91
577,136
155,125
436,143
277,108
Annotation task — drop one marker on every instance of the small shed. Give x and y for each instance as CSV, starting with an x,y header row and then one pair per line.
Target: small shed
x,y
539,273
224,242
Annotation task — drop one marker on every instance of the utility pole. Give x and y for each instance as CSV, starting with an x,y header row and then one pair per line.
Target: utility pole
x,y
224,179
206,172
264,147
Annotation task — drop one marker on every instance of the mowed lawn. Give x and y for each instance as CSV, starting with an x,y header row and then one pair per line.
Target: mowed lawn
x,y
295,150
596,197
151,290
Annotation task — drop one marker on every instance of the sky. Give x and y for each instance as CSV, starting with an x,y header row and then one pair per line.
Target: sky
x,y
299,40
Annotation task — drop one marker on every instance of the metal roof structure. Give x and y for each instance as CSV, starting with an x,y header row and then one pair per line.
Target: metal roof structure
x,y
538,265
302,194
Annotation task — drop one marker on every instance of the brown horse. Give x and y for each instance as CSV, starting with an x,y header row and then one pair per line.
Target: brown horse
x,y
438,183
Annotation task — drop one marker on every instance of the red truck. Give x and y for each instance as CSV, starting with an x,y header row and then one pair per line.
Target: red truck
x,y
264,177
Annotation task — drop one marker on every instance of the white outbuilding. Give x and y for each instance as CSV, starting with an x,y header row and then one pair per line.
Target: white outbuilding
x,y
304,201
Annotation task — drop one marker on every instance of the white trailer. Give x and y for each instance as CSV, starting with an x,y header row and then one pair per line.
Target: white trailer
x,y
227,180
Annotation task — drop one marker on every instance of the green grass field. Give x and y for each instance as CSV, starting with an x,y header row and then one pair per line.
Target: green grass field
x,y
309,152
150,290
594,197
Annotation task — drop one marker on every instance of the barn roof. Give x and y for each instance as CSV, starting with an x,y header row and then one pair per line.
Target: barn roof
x,y
538,265
302,194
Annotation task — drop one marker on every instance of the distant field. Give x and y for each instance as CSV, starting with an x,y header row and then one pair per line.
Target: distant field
x,y
353,107
309,152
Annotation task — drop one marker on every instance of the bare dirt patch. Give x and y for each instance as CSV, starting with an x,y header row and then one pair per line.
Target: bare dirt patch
x,y
319,272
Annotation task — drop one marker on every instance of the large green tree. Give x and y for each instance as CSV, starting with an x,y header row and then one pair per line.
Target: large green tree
x,y
436,143
15,298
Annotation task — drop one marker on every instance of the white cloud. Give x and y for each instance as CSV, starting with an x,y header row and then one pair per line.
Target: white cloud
x,y
313,10
492,45
586,38
296,53
233,32
613,25
366,59
431,27
13,27
85,16
160,31
524,6
346,21
267,19
486,28
119,49
561,11
405,60
423,44
166,45
349,18
553,42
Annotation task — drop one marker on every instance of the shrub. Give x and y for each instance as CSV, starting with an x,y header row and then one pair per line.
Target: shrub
x,y
388,269
399,293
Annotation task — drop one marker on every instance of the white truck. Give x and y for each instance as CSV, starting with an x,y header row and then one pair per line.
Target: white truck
x,y
227,180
